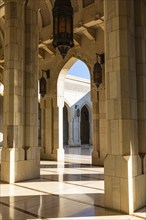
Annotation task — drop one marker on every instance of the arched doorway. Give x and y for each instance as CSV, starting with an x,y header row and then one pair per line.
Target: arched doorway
x,y
73,88
85,126
65,126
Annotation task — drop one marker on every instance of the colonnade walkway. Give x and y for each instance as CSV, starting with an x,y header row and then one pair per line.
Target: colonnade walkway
x,y
65,191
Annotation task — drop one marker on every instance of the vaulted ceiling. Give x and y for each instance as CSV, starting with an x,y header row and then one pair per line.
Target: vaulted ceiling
x,y
88,17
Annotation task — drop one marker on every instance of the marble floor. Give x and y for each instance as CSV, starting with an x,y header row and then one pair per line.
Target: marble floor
x,y
68,191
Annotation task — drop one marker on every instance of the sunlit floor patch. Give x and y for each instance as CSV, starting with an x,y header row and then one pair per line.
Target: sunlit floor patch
x,y
63,192
141,213
94,218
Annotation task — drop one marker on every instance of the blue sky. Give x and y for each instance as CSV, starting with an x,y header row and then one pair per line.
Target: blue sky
x,y
79,69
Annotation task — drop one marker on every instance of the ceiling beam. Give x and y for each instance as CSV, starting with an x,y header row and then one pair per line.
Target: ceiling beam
x,y
1,67
48,50
2,11
90,33
77,39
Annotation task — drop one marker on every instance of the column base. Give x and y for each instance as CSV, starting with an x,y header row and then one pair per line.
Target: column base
x,y
14,168
56,155
96,159
60,155
124,183
47,154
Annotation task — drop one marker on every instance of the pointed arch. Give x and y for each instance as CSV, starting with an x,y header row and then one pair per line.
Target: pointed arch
x,y
85,125
70,125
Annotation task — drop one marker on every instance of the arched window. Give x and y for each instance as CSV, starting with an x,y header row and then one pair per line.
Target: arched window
x,y
85,127
65,125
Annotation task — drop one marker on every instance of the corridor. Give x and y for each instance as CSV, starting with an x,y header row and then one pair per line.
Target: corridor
x,y
70,191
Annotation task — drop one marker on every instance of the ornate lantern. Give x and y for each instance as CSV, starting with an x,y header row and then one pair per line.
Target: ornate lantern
x,y
97,73
63,26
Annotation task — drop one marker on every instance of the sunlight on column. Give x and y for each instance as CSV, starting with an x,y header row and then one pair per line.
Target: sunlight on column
x,y
12,165
1,137
60,170
111,217
130,186
40,206
1,89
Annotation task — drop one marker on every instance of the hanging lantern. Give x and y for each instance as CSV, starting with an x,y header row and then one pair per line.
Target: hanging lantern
x,y
63,26
97,73
42,86
101,56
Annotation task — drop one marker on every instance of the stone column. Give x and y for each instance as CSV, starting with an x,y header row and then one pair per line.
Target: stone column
x,y
95,118
76,130
20,154
60,150
70,132
31,87
43,127
102,126
124,182
48,138
91,126
140,49
70,129
52,128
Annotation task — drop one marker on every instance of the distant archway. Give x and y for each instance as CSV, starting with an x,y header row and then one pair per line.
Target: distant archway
x,y
85,126
73,92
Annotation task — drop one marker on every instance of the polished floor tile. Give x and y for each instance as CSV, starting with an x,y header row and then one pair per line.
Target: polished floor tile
x,y
69,191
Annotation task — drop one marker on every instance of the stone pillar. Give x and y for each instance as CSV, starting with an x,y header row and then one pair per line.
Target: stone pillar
x,y
60,150
70,128
102,125
20,154
43,127
52,128
124,182
96,136
140,45
47,128
91,126
76,130
47,132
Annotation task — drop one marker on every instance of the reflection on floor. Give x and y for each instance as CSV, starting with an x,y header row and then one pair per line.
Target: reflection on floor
x,y
70,191
78,154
